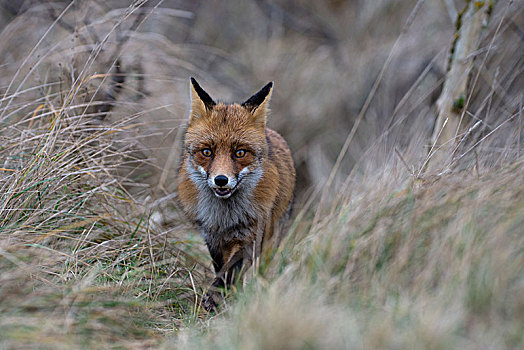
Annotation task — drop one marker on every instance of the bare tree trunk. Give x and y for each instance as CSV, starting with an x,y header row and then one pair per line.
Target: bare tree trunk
x,y
453,100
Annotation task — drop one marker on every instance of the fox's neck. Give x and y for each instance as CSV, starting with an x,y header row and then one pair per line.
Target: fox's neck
x,y
225,216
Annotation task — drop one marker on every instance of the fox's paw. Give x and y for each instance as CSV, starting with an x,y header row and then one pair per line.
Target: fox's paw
x,y
211,301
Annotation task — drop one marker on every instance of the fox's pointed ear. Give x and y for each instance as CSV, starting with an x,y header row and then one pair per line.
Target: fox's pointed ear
x,y
258,104
201,102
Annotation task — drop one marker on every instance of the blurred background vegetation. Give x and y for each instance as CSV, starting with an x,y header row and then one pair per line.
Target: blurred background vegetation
x,y
93,100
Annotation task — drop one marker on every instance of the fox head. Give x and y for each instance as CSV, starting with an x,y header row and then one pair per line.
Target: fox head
x,y
225,144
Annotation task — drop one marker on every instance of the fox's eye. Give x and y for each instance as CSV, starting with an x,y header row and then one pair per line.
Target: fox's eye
x,y
240,153
206,152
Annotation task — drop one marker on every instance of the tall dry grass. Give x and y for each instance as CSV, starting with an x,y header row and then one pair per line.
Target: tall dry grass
x,y
380,254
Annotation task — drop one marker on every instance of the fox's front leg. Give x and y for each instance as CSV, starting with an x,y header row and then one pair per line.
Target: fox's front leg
x,y
213,295
232,257
216,256
230,262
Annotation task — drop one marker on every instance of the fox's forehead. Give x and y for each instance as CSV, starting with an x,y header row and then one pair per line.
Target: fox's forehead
x,y
226,124
233,114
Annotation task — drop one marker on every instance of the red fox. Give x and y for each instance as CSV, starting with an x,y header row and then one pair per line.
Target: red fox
x,y
236,181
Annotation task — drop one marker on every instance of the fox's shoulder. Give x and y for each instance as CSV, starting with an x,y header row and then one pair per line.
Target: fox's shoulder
x,y
276,143
279,153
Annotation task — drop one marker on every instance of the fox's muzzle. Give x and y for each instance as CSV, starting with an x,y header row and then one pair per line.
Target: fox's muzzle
x,y
222,185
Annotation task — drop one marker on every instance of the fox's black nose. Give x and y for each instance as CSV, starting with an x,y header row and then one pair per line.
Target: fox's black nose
x,y
221,180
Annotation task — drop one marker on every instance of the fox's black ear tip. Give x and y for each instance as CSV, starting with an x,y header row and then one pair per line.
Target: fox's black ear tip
x,y
266,89
254,101
202,95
